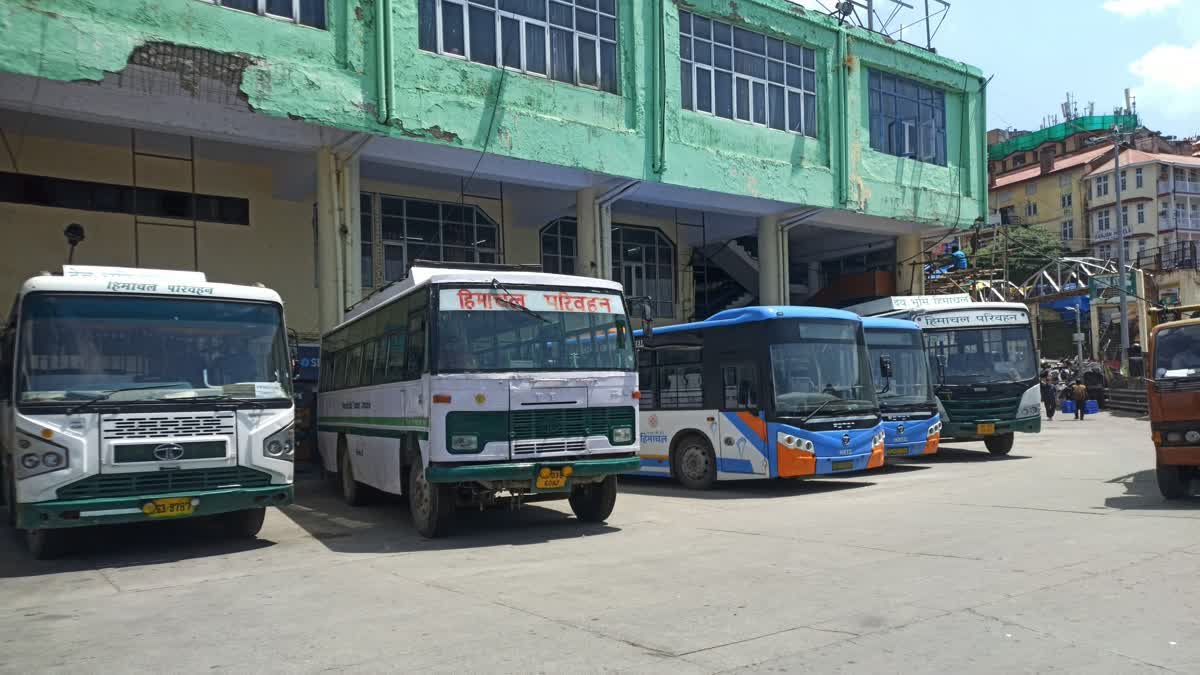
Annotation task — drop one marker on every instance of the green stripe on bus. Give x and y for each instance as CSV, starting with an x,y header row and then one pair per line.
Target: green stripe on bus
x,y
380,421
422,434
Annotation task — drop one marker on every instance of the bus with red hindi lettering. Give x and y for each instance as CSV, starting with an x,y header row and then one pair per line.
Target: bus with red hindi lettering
x,y
474,384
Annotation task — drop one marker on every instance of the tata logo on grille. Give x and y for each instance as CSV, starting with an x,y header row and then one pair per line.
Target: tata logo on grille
x,y
845,440
168,452
900,429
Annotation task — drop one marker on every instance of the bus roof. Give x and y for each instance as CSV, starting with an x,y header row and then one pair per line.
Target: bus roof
x,y
1173,324
142,281
733,317
883,323
423,276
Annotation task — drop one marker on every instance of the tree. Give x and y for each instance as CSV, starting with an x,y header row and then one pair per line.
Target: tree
x,y
1030,248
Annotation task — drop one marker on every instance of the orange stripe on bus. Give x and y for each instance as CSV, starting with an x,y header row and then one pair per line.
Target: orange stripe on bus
x,y
756,424
793,462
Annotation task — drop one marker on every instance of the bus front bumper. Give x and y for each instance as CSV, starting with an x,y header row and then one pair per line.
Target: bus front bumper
x,y
528,471
1176,455
113,510
896,450
969,431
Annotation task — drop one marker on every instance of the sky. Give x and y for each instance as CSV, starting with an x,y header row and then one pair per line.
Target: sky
x,y
1038,50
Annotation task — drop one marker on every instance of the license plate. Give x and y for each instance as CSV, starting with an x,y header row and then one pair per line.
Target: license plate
x,y
554,480
897,452
985,428
842,466
167,508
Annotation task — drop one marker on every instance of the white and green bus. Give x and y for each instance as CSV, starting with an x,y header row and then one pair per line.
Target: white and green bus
x,y
131,395
469,385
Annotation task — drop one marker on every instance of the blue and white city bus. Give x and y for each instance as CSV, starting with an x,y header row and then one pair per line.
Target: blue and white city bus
x,y
911,423
758,392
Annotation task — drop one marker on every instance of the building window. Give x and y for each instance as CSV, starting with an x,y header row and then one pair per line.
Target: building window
x,y
1066,200
305,12
1124,216
908,119
643,260
1101,185
1030,209
1103,223
1141,244
1031,189
569,42
1138,179
416,229
1018,160
558,247
366,228
738,74
1064,180
1141,214
1068,230
1104,251
1124,183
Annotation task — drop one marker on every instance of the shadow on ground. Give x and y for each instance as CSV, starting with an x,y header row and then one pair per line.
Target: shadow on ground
x,y
953,455
384,525
125,546
1141,494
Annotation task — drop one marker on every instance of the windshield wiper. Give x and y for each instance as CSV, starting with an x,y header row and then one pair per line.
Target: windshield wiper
x,y
108,394
819,409
216,397
497,286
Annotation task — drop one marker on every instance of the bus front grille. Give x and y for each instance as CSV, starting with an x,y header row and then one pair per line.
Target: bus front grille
x,y
549,445
567,423
154,482
167,425
968,410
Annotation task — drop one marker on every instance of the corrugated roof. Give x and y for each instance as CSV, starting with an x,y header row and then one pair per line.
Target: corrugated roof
x,y
1060,163
1131,157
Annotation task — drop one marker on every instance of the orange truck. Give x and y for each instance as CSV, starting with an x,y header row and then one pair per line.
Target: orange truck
x,y
1173,392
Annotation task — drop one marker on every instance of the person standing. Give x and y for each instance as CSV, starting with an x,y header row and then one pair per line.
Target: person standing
x,y
1079,394
1048,396
960,258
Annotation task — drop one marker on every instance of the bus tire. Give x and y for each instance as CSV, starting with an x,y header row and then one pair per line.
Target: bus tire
x,y
594,502
999,445
244,524
46,544
693,462
431,504
353,492
1174,482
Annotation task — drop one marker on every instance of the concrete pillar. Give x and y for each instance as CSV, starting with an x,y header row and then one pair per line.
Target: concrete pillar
x,y
814,276
587,242
1094,318
910,277
329,264
772,274
339,265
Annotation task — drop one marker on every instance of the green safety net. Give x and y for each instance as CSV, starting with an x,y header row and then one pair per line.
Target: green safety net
x,y
1060,132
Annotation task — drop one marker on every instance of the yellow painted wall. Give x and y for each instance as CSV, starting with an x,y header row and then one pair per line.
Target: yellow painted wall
x,y
276,249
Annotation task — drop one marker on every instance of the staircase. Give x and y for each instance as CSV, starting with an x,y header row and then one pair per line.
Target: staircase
x,y
738,262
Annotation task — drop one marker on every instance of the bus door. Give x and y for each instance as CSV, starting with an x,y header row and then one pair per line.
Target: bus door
x,y
743,433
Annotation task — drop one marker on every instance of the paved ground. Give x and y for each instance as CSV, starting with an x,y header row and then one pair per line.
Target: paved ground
x,y
1060,558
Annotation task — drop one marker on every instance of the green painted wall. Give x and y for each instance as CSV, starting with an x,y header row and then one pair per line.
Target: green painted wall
x,y
332,77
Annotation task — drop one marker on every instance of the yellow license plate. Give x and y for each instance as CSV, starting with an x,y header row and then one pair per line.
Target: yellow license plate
x,y
842,466
553,480
985,429
897,452
167,508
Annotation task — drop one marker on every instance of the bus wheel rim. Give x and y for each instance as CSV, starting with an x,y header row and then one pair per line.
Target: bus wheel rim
x,y
695,463
421,494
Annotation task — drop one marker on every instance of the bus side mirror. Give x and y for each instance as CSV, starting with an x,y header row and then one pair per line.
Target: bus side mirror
x,y
941,368
885,366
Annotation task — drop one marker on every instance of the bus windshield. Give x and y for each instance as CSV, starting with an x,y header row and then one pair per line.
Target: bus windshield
x,y
982,355
1177,352
910,374
825,367
521,329
78,347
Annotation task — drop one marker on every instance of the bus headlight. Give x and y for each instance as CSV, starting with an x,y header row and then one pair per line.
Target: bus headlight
x,y
934,429
281,444
40,457
464,442
622,435
877,440
1192,436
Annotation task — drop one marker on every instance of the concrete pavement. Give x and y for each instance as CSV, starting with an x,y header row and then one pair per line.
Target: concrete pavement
x,y
1061,557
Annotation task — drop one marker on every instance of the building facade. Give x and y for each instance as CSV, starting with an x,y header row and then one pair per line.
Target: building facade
x,y
321,146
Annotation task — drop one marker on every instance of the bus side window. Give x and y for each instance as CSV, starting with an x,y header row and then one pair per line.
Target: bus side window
x,y
415,359
740,386
395,359
646,379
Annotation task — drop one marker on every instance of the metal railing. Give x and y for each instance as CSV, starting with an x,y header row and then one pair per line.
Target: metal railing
x,y
1180,255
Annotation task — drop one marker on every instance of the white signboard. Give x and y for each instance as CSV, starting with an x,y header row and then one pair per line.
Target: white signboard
x,y
973,318
131,273
908,302
496,300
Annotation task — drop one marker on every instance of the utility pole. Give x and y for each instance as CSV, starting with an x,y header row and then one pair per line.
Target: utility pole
x,y
1122,274
1078,337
